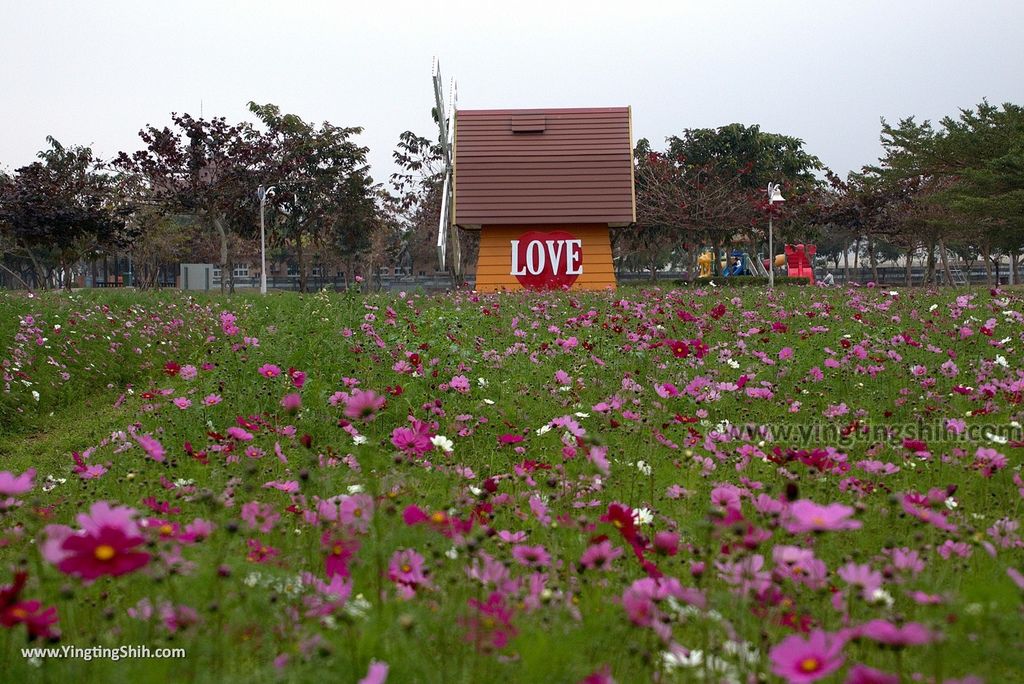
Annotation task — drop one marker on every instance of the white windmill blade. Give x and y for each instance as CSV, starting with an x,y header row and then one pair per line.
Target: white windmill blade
x,y
443,223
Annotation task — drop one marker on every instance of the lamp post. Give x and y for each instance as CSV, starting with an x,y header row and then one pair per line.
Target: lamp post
x,y
773,196
263,193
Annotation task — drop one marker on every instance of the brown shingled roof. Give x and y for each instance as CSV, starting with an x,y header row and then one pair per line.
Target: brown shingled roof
x,y
544,166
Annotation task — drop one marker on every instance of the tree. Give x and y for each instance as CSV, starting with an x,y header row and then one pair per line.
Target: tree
x,y
709,186
207,168
974,168
323,185
56,211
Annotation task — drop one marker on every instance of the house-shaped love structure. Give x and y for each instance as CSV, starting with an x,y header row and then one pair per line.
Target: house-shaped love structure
x,y
544,187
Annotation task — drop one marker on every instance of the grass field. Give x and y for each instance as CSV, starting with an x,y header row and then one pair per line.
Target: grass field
x,y
650,485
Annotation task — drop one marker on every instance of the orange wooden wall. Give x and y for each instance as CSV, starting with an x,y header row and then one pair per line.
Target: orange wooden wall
x,y
494,264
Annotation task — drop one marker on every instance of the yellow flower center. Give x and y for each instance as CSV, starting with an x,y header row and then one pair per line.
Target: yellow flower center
x,y
19,613
438,517
104,552
358,513
810,664
488,622
166,529
406,567
818,520
337,549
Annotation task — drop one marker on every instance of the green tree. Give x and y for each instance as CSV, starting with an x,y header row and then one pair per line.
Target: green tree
x,y
58,210
323,185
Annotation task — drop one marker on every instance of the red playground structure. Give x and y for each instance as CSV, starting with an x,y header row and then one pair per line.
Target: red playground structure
x,y
799,260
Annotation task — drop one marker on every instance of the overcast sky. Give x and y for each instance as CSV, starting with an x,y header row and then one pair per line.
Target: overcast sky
x,y
94,72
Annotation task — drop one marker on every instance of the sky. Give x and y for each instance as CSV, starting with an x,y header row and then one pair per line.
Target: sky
x,y
95,72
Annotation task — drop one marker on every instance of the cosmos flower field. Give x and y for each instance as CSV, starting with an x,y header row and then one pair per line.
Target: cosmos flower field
x,y
651,485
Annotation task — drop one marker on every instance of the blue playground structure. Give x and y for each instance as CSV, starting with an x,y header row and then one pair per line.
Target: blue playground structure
x,y
741,264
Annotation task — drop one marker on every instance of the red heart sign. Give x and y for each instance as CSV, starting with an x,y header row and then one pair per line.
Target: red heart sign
x,y
547,260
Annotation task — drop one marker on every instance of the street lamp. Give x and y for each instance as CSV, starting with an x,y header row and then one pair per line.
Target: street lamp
x,y
263,193
773,196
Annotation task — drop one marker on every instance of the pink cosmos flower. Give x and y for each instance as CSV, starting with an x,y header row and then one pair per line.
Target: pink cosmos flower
x,y
883,631
600,556
460,383
188,372
260,552
292,402
363,405
799,660
356,511
862,674
806,516
407,569
13,610
182,402
339,552
153,448
269,370
414,440
531,556
260,516
11,484
863,576
378,672
104,546
490,624
240,434
211,400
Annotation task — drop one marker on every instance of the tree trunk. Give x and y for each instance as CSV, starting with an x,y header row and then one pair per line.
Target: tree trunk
x,y
846,264
929,275
985,254
909,273
945,262
16,277
874,261
301,257
37,270
1014,275
223,254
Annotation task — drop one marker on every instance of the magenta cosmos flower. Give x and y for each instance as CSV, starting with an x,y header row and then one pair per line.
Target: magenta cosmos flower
x,y
11,484
269,370
106,544
600,556
363,405
799,660
406,569
806,516
884,632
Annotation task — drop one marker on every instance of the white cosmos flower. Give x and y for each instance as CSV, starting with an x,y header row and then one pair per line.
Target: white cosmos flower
x,y
543,429
489,402
581,414
482,382
1001,361
355,489
643,467
933,307
35,395
359,439
643,516
733,363
998,439
442,443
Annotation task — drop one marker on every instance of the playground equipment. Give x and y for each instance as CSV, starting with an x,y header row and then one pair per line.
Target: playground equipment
x,y
739,263
799,260
742,265
704,265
